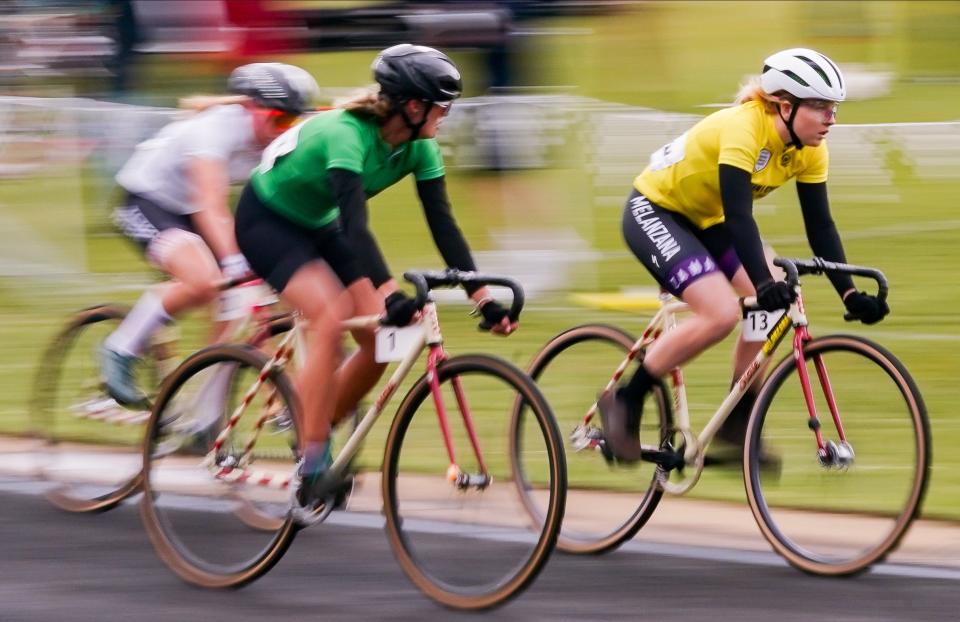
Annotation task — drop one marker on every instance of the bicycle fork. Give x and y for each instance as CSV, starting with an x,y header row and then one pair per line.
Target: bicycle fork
x,y
460,479
829,454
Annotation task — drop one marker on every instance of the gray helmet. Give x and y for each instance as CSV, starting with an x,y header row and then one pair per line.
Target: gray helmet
x,y
408,71
275,85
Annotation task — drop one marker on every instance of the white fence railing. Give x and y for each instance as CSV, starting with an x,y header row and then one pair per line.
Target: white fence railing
x,y
46,144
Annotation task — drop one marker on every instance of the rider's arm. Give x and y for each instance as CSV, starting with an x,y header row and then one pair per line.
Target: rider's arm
x,y
446,234
737,196
822,232
348,190
213,220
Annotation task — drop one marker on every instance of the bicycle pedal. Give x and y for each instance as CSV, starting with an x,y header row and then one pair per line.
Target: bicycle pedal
x,y
606,452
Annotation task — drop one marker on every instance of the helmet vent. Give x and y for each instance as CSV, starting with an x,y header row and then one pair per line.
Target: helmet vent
x,y
795,77
817,68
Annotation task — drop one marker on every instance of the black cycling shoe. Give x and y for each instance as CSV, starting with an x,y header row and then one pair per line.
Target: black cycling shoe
x,y
621,428
316,489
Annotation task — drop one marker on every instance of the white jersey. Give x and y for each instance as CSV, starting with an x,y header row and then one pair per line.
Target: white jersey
x,y
158,169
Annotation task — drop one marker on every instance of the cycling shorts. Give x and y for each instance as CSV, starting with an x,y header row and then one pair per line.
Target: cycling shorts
x,y
672,248
142,220
276,247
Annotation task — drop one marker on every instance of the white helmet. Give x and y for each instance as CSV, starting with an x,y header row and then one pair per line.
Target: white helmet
x,y
805,74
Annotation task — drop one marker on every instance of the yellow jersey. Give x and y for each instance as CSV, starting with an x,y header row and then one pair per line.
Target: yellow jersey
x,y
683,176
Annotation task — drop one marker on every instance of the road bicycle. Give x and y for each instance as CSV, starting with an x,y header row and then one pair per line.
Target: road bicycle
x,y
90,444
451,507
837,447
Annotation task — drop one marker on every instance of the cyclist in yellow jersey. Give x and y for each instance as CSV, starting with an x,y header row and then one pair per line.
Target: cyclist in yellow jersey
x,y
689,221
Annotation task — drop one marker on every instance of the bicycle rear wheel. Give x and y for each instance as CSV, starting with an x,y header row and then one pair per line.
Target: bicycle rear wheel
x,y
91,450
470,544
571,371
839,512
199,489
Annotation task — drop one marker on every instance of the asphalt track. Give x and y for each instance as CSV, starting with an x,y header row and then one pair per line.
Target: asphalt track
x,y
59,566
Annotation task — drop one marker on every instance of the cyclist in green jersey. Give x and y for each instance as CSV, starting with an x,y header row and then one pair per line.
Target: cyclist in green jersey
x,y
302,224
689,220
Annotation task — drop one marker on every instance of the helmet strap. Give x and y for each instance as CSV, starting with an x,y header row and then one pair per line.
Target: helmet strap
x,y
789,123
414,127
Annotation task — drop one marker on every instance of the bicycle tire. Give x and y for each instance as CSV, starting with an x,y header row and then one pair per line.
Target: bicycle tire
x,y
170,542
613,344
67,379
492,374
855,529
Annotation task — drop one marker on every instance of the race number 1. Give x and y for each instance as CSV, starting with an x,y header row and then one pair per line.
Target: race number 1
x,y
393,344
758,324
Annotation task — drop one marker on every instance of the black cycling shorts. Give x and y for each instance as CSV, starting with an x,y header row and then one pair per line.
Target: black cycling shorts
x,y
142,220
672,248
276,247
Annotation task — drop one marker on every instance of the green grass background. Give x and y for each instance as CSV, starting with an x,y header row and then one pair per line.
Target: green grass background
x,y
668,55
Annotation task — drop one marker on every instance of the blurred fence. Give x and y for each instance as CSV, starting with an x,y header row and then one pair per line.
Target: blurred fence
x,y
58,154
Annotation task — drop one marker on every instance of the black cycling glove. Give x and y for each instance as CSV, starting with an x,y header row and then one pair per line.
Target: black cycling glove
x,y
400,309
865,307
493,313
775,295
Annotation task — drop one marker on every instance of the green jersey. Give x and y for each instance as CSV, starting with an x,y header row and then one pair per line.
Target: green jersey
x,y
292,179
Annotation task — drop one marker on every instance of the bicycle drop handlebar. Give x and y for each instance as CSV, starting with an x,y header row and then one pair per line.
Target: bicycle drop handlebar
x,y
795,267
425,281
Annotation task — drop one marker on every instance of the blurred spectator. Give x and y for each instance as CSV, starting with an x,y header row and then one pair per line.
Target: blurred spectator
x,y
127,36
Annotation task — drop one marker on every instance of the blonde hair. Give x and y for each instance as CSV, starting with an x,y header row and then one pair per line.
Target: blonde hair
x,y
199,103
753,92
367,102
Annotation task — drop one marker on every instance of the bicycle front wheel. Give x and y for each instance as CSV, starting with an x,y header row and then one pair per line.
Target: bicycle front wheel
x,y
462,535
607,503
91,444
838,511
221,447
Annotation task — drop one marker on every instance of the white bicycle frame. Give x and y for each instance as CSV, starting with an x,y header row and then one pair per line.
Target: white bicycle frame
x,y
694,446
429,338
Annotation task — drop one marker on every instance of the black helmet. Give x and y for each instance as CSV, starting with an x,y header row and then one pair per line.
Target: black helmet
x,y
275,85
410,71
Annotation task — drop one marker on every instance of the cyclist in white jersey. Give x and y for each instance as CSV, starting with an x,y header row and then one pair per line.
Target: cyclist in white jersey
x,y
177,186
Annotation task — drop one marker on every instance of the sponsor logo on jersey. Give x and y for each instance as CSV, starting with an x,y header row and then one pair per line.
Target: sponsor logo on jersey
x,y
785,159
656,231
761,191
762,160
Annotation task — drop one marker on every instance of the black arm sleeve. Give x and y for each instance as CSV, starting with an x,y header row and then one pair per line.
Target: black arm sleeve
x,y
347,189
821,232
446,234
737,197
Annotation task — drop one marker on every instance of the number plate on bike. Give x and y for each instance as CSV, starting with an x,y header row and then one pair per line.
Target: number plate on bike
x,y
393,344
758,324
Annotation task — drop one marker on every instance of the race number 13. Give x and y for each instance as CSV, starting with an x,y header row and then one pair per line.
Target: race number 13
x,y
758,324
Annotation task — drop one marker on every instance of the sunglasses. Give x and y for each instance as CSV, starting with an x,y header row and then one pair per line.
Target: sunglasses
x,y
825,107
282,120
444,106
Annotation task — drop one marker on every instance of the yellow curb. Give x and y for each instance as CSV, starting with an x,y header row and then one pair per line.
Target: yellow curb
x,y
619,301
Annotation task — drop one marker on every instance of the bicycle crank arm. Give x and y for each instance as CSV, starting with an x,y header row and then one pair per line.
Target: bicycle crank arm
x,y
669,460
